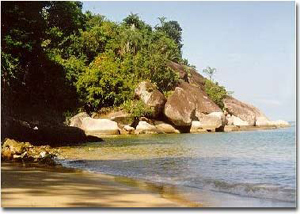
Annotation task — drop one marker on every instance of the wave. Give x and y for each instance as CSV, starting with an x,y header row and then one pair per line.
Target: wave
x,y
263,191
255,190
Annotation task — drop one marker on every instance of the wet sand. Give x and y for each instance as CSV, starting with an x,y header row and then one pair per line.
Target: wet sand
x,y
40,186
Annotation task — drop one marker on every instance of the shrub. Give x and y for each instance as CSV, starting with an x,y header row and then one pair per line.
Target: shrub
x,y
137,108
215,92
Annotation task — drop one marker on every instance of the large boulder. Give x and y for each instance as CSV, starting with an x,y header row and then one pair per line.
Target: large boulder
x,y
152,97
145,128
76,121
186,103
179,69
245,112
98,127
165,127
214,121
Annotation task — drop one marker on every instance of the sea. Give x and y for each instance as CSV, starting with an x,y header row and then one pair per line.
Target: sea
x,y
233,169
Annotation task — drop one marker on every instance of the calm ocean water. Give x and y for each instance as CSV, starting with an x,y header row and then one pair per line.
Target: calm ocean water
x,y
253,168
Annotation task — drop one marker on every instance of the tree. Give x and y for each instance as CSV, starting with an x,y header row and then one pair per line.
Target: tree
x,y
65,15
134,21
210,72
30,80
172,29
56,57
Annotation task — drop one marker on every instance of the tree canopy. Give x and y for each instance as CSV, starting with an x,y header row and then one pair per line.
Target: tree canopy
x,y
55,56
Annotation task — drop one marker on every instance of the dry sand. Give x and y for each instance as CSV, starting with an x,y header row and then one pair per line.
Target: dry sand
x,y
37,186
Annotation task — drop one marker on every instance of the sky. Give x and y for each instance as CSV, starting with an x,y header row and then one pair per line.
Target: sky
x,y
251,44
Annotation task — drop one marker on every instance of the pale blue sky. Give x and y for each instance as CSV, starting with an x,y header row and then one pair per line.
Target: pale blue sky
x,y
251,44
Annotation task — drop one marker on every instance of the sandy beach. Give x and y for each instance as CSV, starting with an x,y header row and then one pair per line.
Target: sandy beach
x,y
37,186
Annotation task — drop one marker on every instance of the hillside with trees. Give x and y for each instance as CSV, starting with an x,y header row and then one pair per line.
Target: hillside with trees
x,y
54,56
60,66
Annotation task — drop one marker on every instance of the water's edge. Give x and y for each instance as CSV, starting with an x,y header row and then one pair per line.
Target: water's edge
x,y
182,161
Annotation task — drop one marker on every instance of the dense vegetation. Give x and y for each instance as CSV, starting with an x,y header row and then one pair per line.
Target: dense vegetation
x,y
54,55
57,58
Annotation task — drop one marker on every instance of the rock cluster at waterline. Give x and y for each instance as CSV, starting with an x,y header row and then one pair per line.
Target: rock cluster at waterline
x,y
187,109
16,151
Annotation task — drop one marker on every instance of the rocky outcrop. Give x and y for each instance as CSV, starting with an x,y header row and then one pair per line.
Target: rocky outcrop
x,y
165,127
25,152
242,114
99,127
182,70
152,97
188,74
188,109
186,103
145,128
43,134
245,112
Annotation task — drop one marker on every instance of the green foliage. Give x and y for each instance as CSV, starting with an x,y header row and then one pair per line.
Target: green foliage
x,y
137,108
55,56
104,84
215,92
30,79
168,93
66,16
133,21
113,58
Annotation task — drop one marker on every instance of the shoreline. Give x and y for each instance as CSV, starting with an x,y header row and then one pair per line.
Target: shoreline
x,y
37,185
227,129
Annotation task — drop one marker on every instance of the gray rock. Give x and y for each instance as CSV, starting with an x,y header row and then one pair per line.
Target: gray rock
x,y
245,112
152,97
76,121
129,129
98,127
186,102
165,127
211,122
